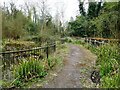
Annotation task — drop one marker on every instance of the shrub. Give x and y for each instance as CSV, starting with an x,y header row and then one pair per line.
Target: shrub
x,y
68,39
108,63
12,45
110,81
53,61
27,70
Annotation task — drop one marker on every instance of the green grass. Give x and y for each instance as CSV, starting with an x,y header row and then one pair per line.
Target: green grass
x,y
27,70
108,63
0,82
30,70
55,61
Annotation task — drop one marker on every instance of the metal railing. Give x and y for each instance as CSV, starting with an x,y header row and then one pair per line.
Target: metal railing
x,y
100,41
11,58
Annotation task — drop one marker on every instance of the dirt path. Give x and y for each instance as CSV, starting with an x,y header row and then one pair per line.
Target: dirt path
x,y
76,71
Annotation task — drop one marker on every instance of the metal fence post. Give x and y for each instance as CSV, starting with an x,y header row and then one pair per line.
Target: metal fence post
x,y
54,47
10,58
47,52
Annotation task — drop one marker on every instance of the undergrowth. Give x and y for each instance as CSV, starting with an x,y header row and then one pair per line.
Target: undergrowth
x,y
30,69
27,70
108,63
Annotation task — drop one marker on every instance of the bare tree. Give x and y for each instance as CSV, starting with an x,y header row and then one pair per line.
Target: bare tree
x,y
43,14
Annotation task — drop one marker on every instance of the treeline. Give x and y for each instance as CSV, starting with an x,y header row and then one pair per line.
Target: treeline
x,y
102,19
27,23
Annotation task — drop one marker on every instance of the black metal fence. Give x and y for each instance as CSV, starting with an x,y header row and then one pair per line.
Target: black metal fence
x,y
11,58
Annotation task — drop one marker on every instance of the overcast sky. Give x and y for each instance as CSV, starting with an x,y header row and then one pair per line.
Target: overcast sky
x,y
70,7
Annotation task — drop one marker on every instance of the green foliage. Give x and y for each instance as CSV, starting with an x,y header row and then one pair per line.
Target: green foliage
x,y
68,39
17,24
12,45
13,25
92,9
100,21
78,27
108,63
32,28
81,8
110,81
52,61
28,69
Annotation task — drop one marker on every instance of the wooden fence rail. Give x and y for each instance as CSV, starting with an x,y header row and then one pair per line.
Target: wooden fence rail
x,y
11,58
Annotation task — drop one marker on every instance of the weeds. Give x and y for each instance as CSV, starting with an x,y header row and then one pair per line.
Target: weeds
x,y
107,62
31,69
27,70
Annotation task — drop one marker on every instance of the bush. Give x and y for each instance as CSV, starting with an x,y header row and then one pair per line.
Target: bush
x,y
110,81
27,70
108,60
13,45
53,61
68,39
108,63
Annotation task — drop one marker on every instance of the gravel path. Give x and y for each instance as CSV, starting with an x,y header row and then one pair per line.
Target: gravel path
x,y
76,71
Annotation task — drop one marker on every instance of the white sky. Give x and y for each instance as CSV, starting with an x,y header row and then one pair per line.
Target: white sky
x,y
70,7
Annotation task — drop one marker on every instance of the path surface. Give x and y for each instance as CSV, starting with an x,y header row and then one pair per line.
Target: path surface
x,y
76,70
